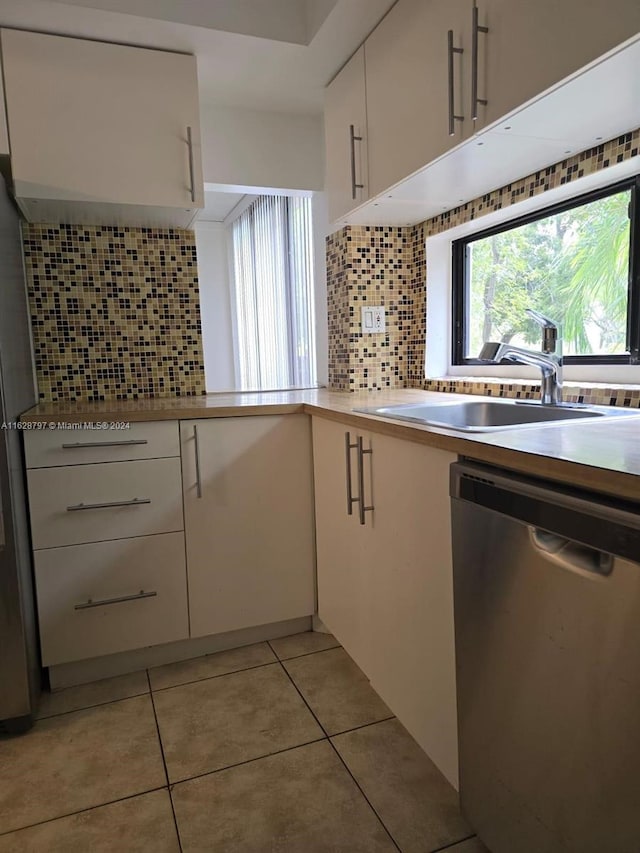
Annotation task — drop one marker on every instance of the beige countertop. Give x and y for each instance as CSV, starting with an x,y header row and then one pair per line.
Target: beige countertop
x,y
604,456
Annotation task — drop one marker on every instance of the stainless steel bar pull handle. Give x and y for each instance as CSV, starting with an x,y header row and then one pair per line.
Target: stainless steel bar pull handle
x,y
197,456
132,502
129,443
352,142
85,605
348,447
453,117
192,179
475,100
361,454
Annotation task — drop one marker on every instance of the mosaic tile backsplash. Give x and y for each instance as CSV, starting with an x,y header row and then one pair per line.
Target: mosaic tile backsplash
x,y
388,266
376,266
589,393
115,312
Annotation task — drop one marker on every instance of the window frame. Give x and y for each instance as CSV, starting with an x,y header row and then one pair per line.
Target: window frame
x,y
459,274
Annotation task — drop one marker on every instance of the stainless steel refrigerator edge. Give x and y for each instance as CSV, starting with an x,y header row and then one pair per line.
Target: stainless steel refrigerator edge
x,y
547,624
19,665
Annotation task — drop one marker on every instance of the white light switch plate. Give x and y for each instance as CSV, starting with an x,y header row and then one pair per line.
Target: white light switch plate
x,y
373,319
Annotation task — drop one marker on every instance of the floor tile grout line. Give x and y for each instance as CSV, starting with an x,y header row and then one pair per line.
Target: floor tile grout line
x,y
357,784
363,726
82,811
304,654
301,695
454,844
211,677
277,751
164,762
340,758
152,689
89,707
246,761
329,734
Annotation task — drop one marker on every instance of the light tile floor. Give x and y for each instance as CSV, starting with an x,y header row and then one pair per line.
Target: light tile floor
x,y
279,747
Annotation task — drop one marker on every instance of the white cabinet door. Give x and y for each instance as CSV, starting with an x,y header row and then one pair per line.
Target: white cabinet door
x,y
531,46
408,87
346,157
96,122
248,500
412,578
342,543
385,588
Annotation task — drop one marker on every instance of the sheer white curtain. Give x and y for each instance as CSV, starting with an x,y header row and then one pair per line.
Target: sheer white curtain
x,y
273,285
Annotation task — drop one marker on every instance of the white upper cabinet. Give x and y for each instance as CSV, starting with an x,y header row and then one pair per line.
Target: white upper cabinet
x,y
438,73
345,127
415,89
102,133
531,46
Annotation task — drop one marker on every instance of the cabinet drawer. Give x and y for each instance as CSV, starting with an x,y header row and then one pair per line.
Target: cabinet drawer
x,y
51,447
92,503
142,586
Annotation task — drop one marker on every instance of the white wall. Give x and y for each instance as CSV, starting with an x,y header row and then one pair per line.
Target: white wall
x,y
262,149
255,150
215,305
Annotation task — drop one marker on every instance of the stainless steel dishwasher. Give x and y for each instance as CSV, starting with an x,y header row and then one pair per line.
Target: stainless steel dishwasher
x,y
547,624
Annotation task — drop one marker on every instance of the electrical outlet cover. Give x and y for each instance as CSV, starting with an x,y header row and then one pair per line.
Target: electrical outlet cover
x,y
373,319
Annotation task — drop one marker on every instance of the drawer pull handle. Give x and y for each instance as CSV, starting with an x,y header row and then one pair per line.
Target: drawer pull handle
x,y
101,602
133,502
129,443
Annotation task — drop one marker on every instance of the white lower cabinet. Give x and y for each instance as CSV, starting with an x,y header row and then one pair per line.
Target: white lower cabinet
x,y
343,545
248,503
385,587
414,663
107,597
143,551
108,534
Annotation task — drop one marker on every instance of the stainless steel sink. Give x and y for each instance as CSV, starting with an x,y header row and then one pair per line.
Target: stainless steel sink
x,y
490,415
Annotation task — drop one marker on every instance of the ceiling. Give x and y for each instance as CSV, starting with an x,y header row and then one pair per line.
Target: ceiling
x,y
295,21
257,54
218,205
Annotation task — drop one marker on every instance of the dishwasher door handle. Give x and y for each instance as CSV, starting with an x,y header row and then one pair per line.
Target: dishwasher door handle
x,y
574,556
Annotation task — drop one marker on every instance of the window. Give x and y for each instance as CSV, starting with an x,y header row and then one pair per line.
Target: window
x,y
578,263
273,278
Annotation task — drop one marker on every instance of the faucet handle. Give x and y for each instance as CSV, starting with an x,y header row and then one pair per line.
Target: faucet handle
x,y
549,330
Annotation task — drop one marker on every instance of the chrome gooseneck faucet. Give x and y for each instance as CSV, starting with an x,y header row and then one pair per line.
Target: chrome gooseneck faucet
x,y
548,359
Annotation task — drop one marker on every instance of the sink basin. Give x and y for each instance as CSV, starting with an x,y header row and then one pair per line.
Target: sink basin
x,y
490,415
